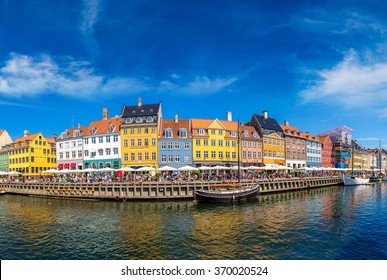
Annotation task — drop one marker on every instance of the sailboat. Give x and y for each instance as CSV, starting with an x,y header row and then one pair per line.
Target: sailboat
x,y
354,180
228,192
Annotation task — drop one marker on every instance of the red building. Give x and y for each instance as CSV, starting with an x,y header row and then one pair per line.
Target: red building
x,y
327,158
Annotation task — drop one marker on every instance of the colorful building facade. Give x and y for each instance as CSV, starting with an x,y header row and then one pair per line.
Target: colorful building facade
x,y
214,142
313,150
5,139
341,138
140,128
327,159
175,143
295,142
102,145
273,138
69,148
251,146
32,154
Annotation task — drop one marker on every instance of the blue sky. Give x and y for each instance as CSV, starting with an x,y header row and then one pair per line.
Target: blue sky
x,y
317,64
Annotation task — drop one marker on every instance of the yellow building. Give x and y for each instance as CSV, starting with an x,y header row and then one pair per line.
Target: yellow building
x,y
273,138
214,142
139,134
32,154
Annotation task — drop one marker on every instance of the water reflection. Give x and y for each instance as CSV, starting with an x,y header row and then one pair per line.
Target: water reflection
x,y
326,223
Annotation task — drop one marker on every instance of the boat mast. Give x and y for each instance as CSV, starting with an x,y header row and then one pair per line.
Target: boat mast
x,y
380,156
239,161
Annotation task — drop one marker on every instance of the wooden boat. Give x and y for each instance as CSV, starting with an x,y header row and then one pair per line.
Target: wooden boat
x,y
2,192
227,193
353,181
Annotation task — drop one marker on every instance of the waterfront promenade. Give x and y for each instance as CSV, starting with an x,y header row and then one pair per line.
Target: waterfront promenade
x,y
153,190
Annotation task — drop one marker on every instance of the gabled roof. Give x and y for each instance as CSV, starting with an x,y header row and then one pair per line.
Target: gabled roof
x,y
267,123
251,130
310,137
143,110
102,126
32,137
70,132
323,139
292,129
175,126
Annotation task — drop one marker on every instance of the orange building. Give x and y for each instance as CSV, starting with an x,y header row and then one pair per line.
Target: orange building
x,y
295,146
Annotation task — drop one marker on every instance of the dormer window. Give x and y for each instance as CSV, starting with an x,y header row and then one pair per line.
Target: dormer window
x,y
233,134
63,135
111,128
93,130
77,133
246,133
168,133
255,135
201,131
183,133
128,120
134,111
139,120
149,119
151,110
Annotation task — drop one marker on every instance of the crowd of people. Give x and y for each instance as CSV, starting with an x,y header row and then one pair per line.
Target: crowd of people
x,y
172,177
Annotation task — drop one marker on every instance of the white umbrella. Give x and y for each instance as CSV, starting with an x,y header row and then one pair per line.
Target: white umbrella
x,y
219,167
14,173
188,168
270,167
145,168
167,168
89,170
205,168
283,167
127,169
3,173
50,171
106,169
253,167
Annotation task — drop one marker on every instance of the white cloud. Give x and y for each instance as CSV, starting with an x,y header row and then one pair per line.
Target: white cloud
x,y
28,76
90,13
199,86
352,83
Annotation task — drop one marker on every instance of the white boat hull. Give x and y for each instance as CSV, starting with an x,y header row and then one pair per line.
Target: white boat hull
x,y
353,181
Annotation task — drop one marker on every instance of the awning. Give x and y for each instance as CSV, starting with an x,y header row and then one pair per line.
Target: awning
x,y
66,165
73,164
60,165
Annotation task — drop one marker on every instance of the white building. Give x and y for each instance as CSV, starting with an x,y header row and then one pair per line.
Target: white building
x,y
102,144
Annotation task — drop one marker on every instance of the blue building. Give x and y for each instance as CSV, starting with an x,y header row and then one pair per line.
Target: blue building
x,y
175,143
313,150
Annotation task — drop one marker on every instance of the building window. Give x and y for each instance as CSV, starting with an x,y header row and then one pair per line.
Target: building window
x,y
146,156
183,133
131,142
198,155
201,131
163,158
153,155
186,158
170,158
186,146
163,146
115,151
168,133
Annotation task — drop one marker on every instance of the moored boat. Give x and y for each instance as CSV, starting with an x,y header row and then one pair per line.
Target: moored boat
x,y
227,193
2,192
353,181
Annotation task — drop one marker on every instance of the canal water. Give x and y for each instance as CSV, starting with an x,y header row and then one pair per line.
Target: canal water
x,y
327,223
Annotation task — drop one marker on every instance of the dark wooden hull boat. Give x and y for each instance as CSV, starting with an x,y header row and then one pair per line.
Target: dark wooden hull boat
x,y
227,195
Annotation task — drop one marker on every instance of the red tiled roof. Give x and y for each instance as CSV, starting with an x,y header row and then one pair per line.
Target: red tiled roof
x,y
175,126
102,126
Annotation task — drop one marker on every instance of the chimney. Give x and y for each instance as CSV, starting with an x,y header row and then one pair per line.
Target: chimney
x,y
264,114
79,125
26,133
176,118
105,113
286,123
54,136
139,102
229,116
